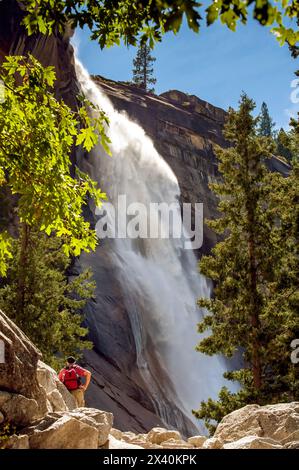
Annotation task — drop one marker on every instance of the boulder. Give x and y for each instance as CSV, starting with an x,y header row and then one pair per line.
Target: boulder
x,y
197,441
56,401
129,440
146,445
1,418
4,397
292,445
46,377
57,394
212,443
253,442
83,428
159,435
67,397
63,432
293,437
101,420
19,410
139,440
176,444
128,436
18,372
116,433
118,444
277,422
141,436
17,442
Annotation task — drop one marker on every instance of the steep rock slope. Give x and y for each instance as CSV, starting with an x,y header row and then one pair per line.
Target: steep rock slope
x,y
52,50
184,130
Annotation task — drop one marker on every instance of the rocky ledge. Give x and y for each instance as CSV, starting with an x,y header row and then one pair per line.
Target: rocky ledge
x,y
42,414
251,427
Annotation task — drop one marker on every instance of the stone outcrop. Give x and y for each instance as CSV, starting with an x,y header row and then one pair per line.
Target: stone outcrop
x,y
197,441
212,443
58,397
176,444
158,435
17,442
83,428
44,414
117,444
18,371
22,399
29,389
253,442
251,427
277,422
18,409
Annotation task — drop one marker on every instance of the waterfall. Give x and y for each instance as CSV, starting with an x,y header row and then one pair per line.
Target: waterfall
x,y
159,278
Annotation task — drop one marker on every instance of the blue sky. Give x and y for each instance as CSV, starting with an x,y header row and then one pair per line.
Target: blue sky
x,y
216,65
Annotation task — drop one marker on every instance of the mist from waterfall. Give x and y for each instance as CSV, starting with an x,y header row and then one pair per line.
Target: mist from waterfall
x,y
159,278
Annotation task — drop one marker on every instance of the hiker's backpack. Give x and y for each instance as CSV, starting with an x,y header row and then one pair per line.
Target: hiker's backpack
x,y
71,379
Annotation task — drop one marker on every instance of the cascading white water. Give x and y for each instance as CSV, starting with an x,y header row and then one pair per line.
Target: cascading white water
x,y
159,277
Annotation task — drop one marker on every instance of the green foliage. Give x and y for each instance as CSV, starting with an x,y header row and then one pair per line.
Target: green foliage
x,y
37,136
111,21
254,311
6,431
212,411
294,139
266,123
5,251
293,47
283,145
143,70
38,296
290,215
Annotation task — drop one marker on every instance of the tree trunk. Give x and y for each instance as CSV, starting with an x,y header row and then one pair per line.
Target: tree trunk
x,y
23,259
254,317
145,70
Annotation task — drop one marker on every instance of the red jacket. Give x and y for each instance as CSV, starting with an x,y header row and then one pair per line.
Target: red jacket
x,y
70,376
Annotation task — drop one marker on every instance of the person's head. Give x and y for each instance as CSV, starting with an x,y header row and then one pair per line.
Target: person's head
x,y
70,361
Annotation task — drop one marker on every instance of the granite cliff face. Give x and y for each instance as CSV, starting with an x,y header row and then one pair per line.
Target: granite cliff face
x,y
184,130
50,50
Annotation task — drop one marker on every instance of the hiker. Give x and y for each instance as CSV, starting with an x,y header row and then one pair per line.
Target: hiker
x,y
71,375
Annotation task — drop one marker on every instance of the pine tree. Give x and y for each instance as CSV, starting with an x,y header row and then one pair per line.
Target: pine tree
x,y
143,69
253,269
283,144
266,123
37,295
